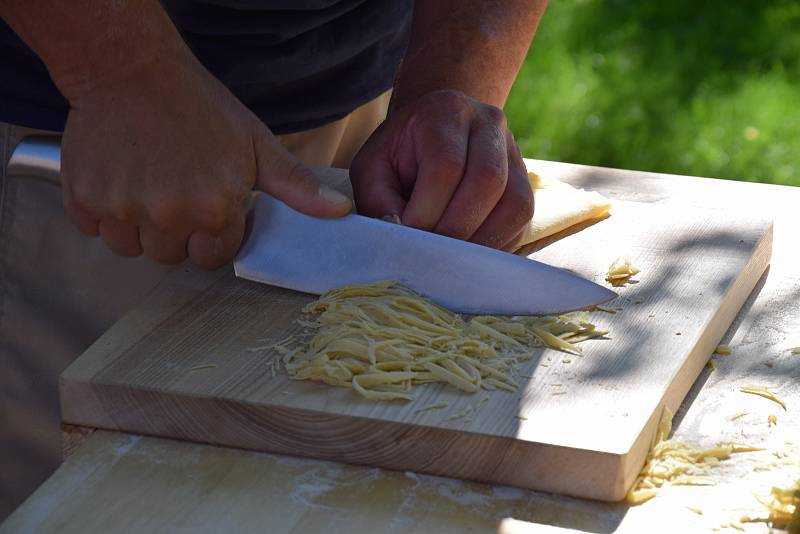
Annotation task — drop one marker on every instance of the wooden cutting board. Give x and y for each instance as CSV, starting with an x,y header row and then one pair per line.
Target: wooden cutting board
x,y
182,365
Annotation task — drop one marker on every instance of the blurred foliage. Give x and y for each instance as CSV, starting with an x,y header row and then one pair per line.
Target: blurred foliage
x,y
702,88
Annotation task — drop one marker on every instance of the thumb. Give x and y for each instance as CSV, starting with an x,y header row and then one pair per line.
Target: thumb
x,y
282,175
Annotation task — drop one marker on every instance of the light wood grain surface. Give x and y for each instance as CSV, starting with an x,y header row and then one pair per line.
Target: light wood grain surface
x,y
182,366
136,482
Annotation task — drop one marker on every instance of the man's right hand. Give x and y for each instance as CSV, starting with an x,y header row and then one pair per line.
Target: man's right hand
x,y
163,161
158,157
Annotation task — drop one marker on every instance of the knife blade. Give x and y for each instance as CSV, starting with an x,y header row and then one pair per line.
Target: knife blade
x,y
289,249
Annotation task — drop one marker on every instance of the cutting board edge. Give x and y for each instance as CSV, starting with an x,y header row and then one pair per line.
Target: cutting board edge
x,y
265,428
713,332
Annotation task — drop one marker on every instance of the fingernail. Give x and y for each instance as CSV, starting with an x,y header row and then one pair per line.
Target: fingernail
x,y
332,195
393,218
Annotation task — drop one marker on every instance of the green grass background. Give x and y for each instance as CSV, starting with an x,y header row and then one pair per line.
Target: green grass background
x,y
705,88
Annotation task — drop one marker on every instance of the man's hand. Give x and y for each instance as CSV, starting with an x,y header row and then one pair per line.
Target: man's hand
x,y
163,163
158,157
446,163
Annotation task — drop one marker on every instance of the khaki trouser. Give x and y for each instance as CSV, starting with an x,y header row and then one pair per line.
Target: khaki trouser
x,y
59,290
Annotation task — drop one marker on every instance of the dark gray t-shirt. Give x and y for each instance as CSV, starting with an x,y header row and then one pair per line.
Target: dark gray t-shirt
x,y
297,64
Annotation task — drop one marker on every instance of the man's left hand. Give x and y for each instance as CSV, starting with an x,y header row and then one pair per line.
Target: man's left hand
x,y
446,163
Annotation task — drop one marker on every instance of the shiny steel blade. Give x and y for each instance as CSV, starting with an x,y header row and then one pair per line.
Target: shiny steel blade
x,y
289,249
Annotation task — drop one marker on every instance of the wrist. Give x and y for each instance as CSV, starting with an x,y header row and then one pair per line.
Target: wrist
x,y
79,81
401,100
141,76
472,46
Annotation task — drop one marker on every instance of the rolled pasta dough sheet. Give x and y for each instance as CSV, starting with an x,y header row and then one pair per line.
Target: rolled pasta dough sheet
x,y
559,206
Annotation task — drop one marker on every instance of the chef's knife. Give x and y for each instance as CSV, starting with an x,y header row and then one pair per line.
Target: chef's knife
x,y
289,249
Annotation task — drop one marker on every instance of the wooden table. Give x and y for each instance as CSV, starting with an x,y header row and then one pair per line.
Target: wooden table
x,y
120,482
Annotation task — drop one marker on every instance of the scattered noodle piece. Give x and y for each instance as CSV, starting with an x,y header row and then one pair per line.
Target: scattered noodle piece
x,y
723,350
772,420
382,339
203,366
621,271
736,416
607,309
763,392
671,462
433,406
463,413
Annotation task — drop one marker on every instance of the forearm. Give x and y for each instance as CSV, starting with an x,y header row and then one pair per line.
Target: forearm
x,y
475,46
88,43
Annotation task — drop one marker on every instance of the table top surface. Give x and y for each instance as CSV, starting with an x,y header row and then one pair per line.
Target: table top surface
x,y
124,482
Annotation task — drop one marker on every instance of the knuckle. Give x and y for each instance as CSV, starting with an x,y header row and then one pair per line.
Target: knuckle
x,y
449,167
162,213
452,102
82,194
492,175
212,213
451,95
524,205
495,115
121,209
